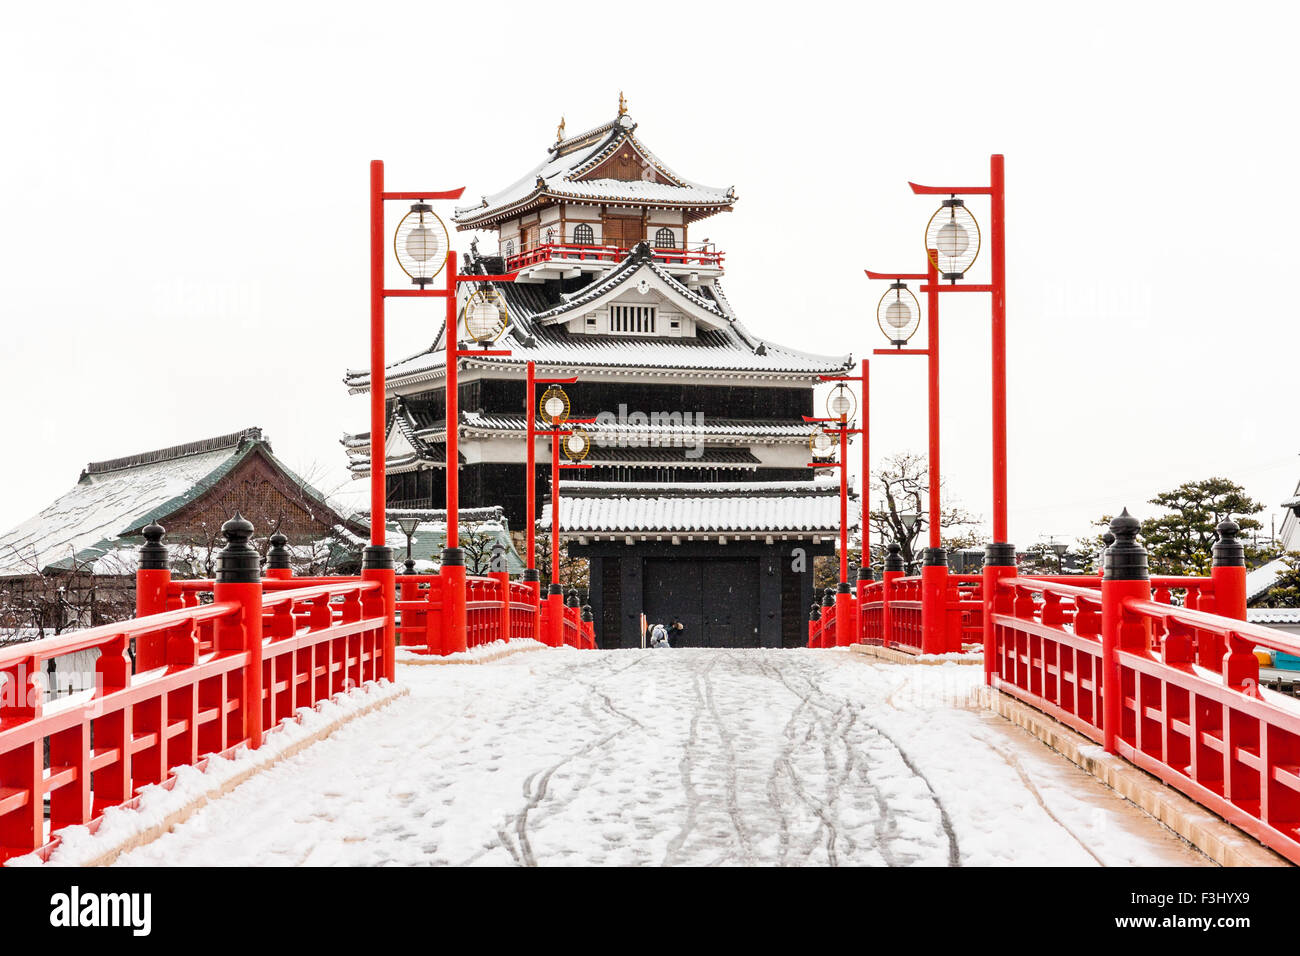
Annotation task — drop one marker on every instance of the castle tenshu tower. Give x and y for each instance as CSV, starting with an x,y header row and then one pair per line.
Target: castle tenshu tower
x,y
700,506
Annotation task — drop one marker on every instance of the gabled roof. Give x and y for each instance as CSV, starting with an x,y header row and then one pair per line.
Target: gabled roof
x,y
114,500
411,443
770,507
727,350
571,171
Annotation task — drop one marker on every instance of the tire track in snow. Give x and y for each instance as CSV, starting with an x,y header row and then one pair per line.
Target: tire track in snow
x,y
522,850
945,821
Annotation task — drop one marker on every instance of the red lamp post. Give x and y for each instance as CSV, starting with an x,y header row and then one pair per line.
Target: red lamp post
x,y
951,252
423,251
555,410
531,575
841,407
952,244
895,319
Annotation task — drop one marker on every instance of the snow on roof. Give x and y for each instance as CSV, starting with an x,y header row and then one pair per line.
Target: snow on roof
x,y
560,175
698,507
95,526
1273,615
100,507
728,349
1260,580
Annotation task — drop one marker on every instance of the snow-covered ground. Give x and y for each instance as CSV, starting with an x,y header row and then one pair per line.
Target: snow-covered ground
x,y
674,757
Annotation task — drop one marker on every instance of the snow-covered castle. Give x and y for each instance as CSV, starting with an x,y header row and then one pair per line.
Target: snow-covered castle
x,y
700,505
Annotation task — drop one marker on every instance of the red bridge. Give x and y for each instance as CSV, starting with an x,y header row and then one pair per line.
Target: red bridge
x,y
1158,671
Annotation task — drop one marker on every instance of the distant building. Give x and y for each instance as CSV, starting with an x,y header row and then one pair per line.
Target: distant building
x,y
73,564
699,488
481,531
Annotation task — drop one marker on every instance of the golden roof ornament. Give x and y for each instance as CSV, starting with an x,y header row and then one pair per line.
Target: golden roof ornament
x,y
559,131
622,104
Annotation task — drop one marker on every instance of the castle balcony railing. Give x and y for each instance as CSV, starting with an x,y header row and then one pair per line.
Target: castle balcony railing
x,y
694,255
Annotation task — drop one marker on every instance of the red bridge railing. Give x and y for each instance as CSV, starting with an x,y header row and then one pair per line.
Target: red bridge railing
x,y
208,666
1172,688
206,679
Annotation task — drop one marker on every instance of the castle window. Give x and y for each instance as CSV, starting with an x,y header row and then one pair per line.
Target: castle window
x,y
583,235
550,235
664,239
636,319
510,247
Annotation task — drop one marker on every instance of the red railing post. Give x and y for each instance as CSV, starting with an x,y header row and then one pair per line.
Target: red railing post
x,y
503,582
571,617
814,624
893,571
863,582
22,827
239,579
934,593
844,620
1237,660
828,620
377,565
589,627
1228,574
1125,577
999,563
152,576
533,581
454,623
554,615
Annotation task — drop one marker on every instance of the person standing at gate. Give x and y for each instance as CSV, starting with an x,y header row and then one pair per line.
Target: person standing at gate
x,y
676,633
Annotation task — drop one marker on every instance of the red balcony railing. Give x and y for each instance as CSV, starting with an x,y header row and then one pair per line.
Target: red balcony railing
x,y
702,255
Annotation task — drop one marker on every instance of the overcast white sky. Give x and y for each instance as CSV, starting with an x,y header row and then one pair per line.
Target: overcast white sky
x,y
183,222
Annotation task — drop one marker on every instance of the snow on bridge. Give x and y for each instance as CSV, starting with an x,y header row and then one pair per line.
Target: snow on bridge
x,y
674,757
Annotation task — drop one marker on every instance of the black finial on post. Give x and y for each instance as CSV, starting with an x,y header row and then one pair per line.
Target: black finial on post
x,y
894,557
571,599
815,612
865,573
238,562
935,557
1126,560
586,613
1228,551
278,555
828,597
1000,554
153,553
410,565
376,557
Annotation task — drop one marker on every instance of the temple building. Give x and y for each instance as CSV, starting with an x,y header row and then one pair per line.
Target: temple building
x,y
700,499
73,564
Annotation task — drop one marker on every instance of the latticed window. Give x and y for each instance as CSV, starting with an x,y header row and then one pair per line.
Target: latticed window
x,y
664,239
637,319
583,235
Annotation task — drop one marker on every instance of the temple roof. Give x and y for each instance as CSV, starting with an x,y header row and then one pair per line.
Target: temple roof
x,y
96,525
728,349
761,507
575,169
